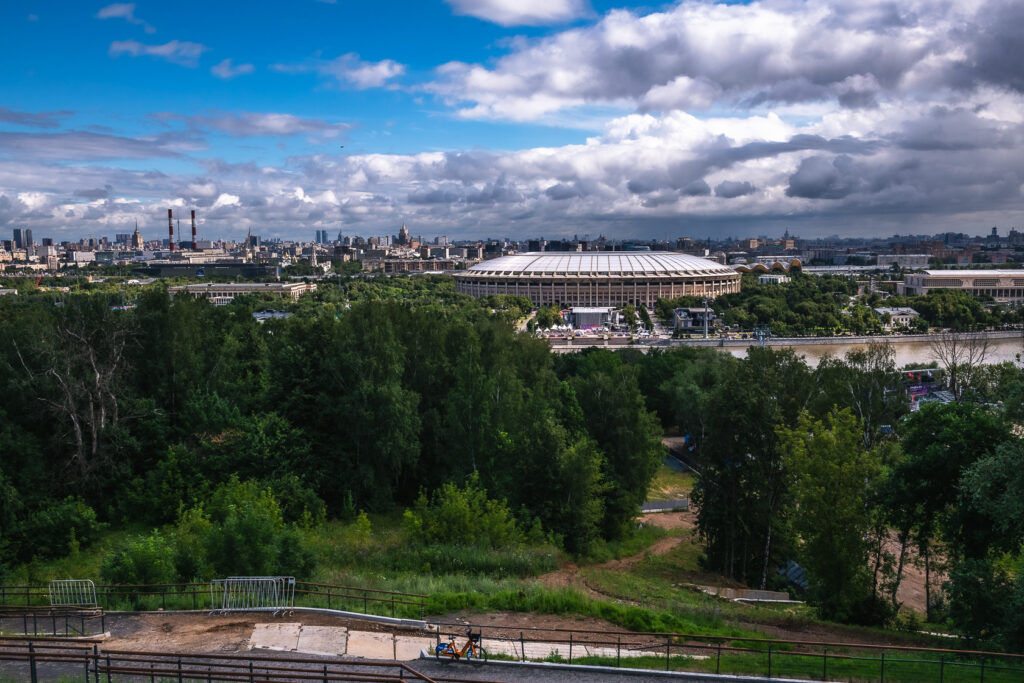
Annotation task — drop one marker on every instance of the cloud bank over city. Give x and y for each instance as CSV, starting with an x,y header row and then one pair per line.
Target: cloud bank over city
x,y
547,119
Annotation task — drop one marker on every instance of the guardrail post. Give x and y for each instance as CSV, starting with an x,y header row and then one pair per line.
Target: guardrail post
x,y
251,679
522,646
392,605
364,602
983,669
325,673
769,661
718,659
668,651
942,667
194,603
32,663
618,652
882,679
179,670
328,597
96,663
824,665
570,648
152,678
108,669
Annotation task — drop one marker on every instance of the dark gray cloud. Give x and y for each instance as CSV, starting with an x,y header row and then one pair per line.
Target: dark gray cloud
x,y
563,191
822,178
82,146
729,189
40,119
94,193
952,129
698,188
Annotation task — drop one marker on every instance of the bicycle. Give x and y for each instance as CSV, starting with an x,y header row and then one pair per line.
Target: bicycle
x,y
472,651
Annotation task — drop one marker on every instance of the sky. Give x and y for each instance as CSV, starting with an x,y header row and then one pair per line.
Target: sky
x,y
512,118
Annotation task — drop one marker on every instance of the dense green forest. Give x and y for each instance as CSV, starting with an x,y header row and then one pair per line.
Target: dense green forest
x,y
219,445
364,399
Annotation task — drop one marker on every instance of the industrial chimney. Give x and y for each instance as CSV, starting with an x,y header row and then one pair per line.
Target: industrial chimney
x,y
194,247
170,228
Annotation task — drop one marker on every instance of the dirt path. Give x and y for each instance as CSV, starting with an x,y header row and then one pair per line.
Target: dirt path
x,y
569,575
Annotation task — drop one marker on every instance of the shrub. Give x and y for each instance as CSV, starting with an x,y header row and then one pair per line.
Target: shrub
x,y
57,528
140,560
463,517
247,534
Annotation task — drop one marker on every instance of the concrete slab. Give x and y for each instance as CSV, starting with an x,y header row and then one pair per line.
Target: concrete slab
x,y
281,637
323,640
409,647
371,645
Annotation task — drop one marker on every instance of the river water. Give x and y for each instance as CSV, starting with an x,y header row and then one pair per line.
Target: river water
x,y
907,353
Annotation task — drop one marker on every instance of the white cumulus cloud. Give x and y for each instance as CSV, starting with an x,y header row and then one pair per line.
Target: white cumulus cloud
x,y
226,69
176,51
521,12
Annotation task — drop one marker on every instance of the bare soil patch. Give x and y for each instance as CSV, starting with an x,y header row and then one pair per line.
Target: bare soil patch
x,y
201,632
684,519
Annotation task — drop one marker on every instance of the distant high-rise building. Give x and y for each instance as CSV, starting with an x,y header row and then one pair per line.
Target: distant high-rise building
x,y
22,238
403,236
136,238
47,241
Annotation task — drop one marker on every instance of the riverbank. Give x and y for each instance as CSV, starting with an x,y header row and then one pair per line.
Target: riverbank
x,y
844,340
910,349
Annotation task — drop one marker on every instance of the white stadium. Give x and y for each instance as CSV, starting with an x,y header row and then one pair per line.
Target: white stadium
x,y
598,278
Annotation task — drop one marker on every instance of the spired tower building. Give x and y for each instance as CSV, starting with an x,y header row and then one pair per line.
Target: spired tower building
x,y
403,236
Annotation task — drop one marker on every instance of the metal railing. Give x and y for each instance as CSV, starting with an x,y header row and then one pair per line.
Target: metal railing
x,y
752,656
52,621
28,657
197,596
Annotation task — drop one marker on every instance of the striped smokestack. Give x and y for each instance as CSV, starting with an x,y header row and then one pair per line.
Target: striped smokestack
x,y
170,228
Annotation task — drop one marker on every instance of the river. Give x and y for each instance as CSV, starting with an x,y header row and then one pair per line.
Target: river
x,y
1003,345
907,353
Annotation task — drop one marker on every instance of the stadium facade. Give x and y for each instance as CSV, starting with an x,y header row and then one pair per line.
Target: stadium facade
x,y
598,278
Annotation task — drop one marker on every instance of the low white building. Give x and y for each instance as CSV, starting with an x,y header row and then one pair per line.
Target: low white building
x,y
772,279
221,293
1005,286
898,317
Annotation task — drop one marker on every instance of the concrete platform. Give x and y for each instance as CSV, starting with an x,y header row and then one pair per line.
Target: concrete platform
x,y
293,637
331,641
282,637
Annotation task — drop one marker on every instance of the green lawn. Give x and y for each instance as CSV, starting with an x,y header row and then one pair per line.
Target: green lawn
x,y
670,485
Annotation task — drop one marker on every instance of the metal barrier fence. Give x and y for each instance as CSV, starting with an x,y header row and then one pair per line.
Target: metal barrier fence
x,y
28,657
196,596
752,656
73,593
252,593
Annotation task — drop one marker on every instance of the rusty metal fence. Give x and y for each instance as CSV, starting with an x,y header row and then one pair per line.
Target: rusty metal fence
x,y
30,659
772,658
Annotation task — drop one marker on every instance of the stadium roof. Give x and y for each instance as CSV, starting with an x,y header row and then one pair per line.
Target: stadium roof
x,y
574,263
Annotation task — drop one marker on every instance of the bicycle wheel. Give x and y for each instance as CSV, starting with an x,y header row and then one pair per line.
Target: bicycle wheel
x,y
479,658
445,655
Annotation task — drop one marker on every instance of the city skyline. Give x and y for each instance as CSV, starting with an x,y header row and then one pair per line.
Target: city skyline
x,y
477,118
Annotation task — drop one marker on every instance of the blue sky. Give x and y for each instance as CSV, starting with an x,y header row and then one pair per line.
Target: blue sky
x,y
478,118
